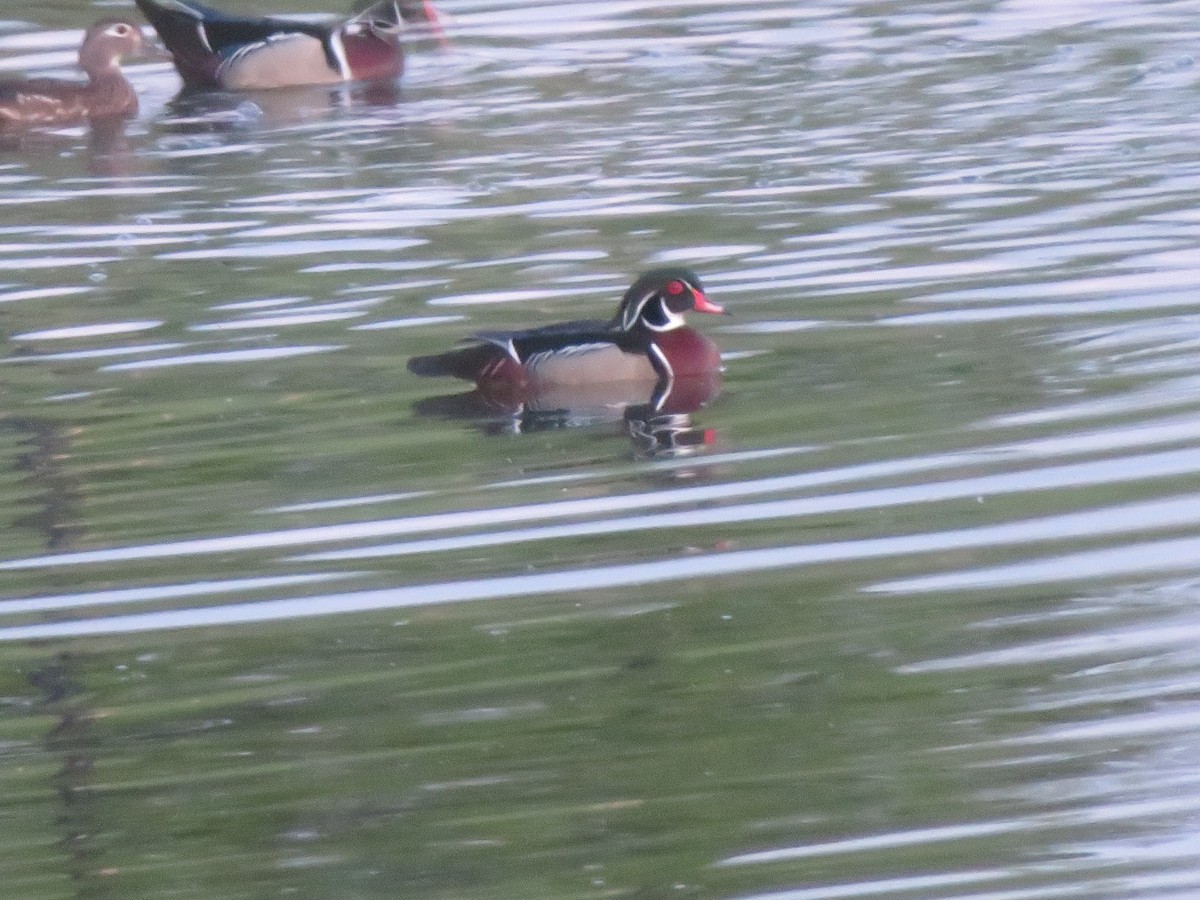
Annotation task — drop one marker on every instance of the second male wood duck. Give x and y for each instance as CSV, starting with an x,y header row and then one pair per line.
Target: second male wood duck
x,y
646,341
105,95
216,50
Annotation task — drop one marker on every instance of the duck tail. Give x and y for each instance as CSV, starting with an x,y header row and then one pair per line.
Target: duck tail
x,y
183,28
469,363
428,365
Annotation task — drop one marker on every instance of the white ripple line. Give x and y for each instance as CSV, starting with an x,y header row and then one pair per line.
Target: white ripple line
x,y
1125,469
1107,439
222,356
483,517
569,581
884,886
1109,643
1175,555
1091,815
161,592
1124,518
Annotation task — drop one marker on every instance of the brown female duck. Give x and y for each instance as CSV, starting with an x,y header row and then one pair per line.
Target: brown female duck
x,y
105,95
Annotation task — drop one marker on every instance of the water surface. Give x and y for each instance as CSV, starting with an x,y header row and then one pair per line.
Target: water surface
x,y
904,609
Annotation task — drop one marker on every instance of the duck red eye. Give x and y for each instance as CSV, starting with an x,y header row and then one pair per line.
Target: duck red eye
x,y
675,288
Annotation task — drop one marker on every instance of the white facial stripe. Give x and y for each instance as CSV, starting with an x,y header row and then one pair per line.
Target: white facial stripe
x,y
670,320
634,311
662,359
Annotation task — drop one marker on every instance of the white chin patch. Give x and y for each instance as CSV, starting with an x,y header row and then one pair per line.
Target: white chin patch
x,y
661,319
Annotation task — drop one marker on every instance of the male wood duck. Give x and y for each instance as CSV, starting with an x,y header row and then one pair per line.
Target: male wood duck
x,y
105,95
646,341
216,50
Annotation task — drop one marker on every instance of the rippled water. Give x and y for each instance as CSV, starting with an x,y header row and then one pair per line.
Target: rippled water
x,y
905,609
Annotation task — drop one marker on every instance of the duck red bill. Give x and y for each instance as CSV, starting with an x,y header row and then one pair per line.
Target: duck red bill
x,y
435,24
703,304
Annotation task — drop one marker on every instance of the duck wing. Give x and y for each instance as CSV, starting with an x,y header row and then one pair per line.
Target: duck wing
x,y
202,38
521,344
42,101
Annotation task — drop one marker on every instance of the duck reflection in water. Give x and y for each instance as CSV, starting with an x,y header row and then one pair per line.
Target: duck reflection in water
x,y
223,112
106,153
659,425
645,366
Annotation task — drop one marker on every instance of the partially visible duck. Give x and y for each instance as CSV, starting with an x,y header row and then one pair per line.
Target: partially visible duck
x,y
645,342
105,95
215,50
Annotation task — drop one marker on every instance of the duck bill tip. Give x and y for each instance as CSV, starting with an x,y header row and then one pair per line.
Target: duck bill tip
x,y
704,305
434,23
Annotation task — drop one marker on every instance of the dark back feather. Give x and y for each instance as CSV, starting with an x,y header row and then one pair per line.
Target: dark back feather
x,y
466,363
200,37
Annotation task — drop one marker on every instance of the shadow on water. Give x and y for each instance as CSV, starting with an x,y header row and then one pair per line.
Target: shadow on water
x,y
656,418
203,112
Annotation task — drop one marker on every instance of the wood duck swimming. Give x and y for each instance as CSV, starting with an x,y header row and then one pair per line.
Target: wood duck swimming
x,y
105,95
646,342
215,50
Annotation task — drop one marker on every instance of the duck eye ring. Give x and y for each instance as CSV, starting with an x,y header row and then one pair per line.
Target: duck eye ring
x,y
674,288
121,30
385,26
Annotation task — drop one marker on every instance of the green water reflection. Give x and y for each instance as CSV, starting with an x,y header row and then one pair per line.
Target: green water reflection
x,y
959,243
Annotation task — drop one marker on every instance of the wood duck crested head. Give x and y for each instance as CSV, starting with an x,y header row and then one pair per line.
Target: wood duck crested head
x,y
658,300
387,20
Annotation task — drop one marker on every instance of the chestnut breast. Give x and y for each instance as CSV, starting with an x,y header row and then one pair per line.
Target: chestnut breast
x,y
689,353
371,58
